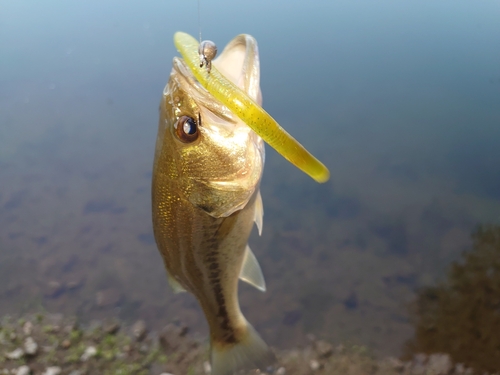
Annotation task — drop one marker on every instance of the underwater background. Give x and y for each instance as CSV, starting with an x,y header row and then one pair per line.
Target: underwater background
x,y
401,100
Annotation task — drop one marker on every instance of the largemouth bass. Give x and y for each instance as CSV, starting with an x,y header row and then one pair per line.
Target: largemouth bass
x,y
205,198
208,165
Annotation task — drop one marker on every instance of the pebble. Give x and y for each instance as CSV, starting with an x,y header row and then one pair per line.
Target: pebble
x,y
30,346
54,289
139,330
90,352
340,349
171,336
166,373
53,370
324,349
396,364
73,326
28,328
74,284
108,297
420,359
459,368
281,371
112,328
314,365
65,344
206,367
15,354
418,366
23,370
439,364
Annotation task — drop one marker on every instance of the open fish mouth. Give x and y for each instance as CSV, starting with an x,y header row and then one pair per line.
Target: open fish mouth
x,y
245,105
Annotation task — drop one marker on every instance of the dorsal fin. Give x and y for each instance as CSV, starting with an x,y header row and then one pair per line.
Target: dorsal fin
x,y
259,213
251,272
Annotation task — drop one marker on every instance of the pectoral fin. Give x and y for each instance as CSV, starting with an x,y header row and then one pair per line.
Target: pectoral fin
x,y
174,284
259,213
251,272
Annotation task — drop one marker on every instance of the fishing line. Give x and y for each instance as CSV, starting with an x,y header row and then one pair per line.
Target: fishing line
x,y
199,19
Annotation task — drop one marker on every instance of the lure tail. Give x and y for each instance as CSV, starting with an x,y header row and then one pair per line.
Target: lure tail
x,y
249,353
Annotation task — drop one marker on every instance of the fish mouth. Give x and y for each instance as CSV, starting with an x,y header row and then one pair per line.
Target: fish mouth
x,y
238,62
225,193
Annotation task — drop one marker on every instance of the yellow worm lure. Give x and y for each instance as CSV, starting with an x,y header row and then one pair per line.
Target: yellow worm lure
x,y
248,111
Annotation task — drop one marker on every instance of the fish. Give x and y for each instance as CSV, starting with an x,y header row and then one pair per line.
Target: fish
x,y
206,199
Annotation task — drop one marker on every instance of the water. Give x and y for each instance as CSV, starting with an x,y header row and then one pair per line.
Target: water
x,y
401,100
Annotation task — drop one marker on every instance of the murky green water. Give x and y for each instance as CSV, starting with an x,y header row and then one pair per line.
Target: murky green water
x,y
400,100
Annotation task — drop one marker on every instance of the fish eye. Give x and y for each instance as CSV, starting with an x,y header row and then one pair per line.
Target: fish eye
x,y
186,129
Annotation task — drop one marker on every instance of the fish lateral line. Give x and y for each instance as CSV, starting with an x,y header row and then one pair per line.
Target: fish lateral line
x,y
248,110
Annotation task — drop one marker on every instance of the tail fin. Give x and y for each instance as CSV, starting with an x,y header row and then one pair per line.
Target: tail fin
x,y
248,354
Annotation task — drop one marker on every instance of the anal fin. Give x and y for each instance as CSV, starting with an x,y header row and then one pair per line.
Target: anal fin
x,y
251,272
174,284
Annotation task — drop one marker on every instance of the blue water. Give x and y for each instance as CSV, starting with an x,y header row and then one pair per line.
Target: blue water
x,y
401,100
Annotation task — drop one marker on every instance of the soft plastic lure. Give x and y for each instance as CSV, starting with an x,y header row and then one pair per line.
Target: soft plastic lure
x,y
248,111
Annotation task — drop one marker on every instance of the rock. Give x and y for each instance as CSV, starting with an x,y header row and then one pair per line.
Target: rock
x,y
30,346
108,297
314,365
65,344
28,328
77,372
183,330
53,370
281,371
207,368
74,284
55,319
171,337
340,349
311,337
439,364
23,370
15,354
324,349
139,330
459,369
54,289
112,328
72,326
396,364
89,352
420,359
166,373
419,364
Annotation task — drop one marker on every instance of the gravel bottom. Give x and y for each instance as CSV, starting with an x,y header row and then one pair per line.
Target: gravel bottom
x,y
57,345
